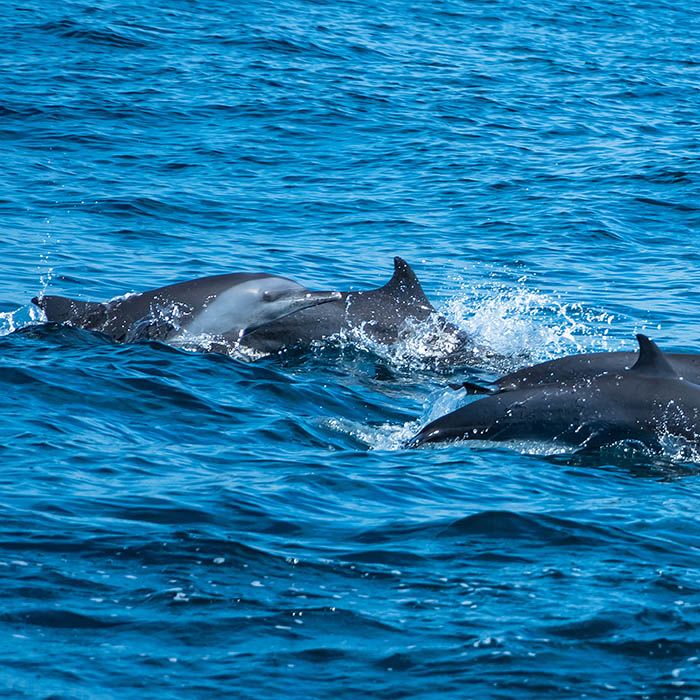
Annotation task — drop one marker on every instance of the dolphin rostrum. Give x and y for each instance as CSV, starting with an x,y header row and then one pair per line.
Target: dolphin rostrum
x,y
641,404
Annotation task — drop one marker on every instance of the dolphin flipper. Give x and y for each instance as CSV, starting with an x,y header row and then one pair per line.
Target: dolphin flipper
x,y
472,388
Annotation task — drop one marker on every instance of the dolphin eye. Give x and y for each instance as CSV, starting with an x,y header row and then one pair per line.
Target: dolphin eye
x,y
273,294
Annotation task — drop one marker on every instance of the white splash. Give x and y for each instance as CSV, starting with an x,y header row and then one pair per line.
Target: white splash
x,y
11,321
526,324
386,436
508,326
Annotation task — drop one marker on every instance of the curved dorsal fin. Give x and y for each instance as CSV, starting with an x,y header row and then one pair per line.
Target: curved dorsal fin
x,y
651,359
404,284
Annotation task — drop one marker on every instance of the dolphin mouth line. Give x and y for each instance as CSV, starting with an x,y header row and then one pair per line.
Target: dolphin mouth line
x,y
323,297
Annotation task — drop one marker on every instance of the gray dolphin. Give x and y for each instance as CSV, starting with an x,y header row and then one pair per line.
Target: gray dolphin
x,y
381,314
576,367
234,308
225,307
639,404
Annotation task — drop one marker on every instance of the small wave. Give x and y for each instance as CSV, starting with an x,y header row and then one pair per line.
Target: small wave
x,y
509,526
163,513
136,207
537,526
106,36
678,206
58,618
592,628
383,557
281,45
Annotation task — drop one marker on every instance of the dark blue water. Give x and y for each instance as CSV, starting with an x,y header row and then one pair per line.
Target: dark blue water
x,y
188,525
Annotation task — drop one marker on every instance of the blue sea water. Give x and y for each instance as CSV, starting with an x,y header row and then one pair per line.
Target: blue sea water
x,y
190,525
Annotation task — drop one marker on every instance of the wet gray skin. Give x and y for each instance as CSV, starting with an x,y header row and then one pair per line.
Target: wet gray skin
x,y
640,404
233,307
580,367
225,306
381,313
593,364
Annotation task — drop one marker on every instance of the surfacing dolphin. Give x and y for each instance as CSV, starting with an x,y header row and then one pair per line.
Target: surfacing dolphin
x,y
222,307
379,314
578,367
640,404
261,313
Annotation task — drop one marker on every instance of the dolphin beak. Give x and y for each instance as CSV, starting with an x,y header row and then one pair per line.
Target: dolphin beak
x,y
316,298
310,299
298,302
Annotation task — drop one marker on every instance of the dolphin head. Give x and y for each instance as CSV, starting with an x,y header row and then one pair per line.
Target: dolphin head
x,y
278,297
248,304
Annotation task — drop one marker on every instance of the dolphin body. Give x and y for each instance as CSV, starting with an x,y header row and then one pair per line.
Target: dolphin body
x,y
640,404
225,307
380,314
580,367
258,312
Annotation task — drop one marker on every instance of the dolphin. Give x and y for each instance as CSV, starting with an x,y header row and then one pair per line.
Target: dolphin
x,y
641,404
224,307
575,367
264,314
380,314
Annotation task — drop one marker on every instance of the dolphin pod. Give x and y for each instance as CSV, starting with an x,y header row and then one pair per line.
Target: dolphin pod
x,y
586,400
259,312
642,403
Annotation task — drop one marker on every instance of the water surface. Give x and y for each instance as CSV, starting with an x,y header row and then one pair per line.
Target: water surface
x,y
187,525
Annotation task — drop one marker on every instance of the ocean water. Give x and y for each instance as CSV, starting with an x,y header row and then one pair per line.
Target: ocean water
x,y
190,525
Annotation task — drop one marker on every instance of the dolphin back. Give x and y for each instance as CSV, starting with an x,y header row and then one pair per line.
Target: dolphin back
x,y
86,314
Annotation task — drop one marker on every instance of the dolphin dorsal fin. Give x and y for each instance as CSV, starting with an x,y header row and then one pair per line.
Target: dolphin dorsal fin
x,y
404,285
651,359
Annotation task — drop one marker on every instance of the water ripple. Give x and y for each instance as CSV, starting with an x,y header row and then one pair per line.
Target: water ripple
x,y
256,524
